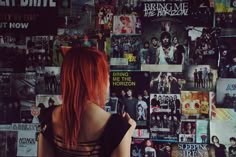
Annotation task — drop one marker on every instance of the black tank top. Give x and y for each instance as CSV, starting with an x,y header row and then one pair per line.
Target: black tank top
x,y
114,131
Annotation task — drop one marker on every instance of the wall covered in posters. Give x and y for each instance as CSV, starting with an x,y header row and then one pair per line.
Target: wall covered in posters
x,y
172,65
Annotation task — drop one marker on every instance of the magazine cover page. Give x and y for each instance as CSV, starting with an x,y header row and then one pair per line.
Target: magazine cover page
x,y
132,88
164,36
27,139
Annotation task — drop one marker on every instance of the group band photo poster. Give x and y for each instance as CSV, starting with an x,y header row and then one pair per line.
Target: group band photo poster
x,y
132,90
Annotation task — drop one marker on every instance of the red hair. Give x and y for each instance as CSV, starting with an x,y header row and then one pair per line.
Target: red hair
x,y
84,77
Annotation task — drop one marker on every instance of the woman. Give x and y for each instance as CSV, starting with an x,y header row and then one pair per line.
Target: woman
x,y
80,126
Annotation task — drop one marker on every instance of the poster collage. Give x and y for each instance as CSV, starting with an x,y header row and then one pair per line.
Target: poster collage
x,y
172,68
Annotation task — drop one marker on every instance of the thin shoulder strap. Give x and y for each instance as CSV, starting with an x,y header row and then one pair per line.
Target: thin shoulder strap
x,y
46,123
114,132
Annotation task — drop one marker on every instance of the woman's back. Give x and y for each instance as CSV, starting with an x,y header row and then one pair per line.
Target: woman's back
x,y
92,123
95,136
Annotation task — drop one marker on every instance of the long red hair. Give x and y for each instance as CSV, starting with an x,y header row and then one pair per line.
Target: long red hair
x,y
84,77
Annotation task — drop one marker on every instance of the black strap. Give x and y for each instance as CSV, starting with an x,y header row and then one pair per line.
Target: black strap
x,y
46,123
114,132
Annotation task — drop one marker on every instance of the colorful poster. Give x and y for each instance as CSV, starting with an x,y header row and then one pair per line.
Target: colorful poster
x,y
195,105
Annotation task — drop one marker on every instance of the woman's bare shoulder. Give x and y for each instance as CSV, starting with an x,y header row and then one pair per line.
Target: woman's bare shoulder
x,y
92,124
